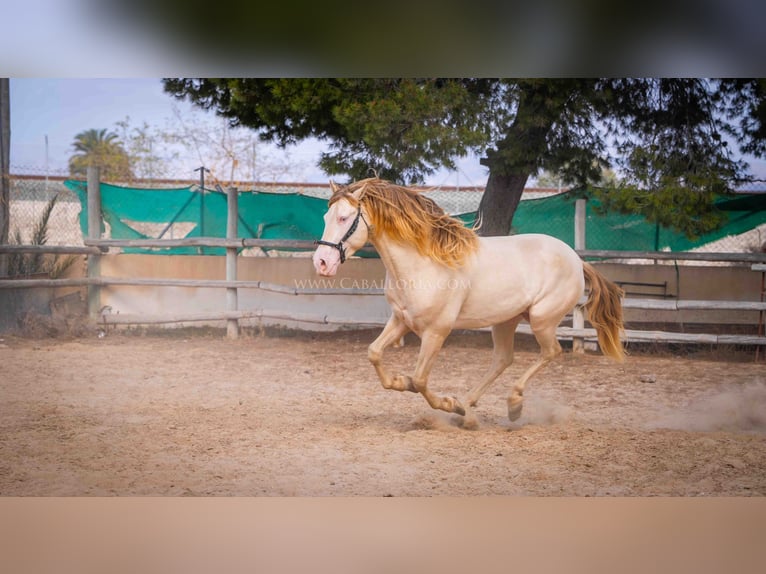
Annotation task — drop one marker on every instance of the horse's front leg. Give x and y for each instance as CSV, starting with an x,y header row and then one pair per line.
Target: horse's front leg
x,y
394,330
431,343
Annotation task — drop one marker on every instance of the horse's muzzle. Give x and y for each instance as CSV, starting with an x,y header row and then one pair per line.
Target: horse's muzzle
x,y
326,261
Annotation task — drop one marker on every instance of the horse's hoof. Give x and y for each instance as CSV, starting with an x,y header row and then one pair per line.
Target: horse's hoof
x,y
514,408
469,422
451,405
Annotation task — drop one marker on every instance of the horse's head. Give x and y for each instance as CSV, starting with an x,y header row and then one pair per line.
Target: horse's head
x,y
345,231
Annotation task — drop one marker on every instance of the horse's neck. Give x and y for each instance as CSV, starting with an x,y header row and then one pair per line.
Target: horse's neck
x,y
402,261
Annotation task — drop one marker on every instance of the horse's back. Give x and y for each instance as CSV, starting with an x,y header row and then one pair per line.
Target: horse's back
x,y
530,274
531,252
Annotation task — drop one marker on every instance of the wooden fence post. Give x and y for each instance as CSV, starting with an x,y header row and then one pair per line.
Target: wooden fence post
x,y
578,317
232,325
94,232
5,170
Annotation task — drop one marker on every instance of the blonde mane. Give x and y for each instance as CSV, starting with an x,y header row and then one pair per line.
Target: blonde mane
x,y
406,216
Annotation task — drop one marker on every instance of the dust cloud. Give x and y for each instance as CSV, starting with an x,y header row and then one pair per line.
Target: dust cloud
x,y
739,409
545,412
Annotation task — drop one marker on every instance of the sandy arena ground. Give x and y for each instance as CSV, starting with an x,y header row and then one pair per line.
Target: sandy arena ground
x,y
194,414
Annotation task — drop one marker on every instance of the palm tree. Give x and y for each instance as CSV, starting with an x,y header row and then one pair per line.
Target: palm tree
x,y
101,148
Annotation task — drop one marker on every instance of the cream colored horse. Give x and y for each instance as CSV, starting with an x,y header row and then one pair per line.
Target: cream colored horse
x,y
441,276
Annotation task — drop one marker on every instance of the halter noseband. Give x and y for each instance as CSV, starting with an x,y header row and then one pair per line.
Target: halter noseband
x,y
349,233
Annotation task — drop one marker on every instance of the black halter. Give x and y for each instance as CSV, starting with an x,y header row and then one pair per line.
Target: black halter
x,y
349,233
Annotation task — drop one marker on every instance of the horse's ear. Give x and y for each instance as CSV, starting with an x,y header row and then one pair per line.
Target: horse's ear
x,y
334,186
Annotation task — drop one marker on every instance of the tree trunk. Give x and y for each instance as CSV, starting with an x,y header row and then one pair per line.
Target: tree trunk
x,y
499,202
519,153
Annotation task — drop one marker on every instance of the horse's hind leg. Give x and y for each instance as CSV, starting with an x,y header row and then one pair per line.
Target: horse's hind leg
x,y
394,330
502,357
549,350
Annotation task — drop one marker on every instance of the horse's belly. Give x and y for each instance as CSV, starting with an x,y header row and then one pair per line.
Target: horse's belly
x,y
477,316
421,309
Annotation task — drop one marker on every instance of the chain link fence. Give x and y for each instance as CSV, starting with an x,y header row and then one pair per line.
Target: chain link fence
x,y
751,241
30,198
453,200
450,200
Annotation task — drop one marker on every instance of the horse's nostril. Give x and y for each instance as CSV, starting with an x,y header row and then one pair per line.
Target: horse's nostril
x,y
322,263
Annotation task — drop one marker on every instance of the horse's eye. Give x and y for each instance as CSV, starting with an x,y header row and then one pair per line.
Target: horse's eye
x,y
343,218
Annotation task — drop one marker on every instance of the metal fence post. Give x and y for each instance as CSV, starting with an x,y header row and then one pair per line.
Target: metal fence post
x,y
94,232
578,317
232,325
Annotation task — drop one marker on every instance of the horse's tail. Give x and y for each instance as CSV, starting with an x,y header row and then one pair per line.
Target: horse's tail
x,y
605,312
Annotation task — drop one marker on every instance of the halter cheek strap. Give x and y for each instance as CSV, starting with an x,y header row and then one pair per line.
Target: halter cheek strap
x,y
349,233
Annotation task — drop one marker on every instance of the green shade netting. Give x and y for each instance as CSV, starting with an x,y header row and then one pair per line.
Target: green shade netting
x,y
632,232
261,215
133,213
628,232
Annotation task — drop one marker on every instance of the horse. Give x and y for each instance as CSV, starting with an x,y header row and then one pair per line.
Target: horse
x,y
441,276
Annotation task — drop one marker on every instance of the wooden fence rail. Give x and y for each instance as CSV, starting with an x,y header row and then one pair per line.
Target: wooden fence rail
x,y
674,256
230,243
194,283
52,249
130,319
201,242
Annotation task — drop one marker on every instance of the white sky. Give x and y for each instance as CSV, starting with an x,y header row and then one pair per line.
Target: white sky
x,y
61,108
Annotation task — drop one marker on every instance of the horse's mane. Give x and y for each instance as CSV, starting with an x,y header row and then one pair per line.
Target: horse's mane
x,y
405,215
